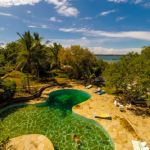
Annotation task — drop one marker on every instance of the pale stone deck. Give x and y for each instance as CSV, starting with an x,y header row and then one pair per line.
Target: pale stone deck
x,y
31,142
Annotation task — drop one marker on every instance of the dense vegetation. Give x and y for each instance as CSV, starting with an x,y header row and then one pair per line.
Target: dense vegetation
x,y
35,60
131,75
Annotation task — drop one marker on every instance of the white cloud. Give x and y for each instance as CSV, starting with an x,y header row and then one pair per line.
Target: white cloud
x,y
1,28
4,14
59,20
9,3
104,50
54,19
26,21
9,15
118,1
32,26
63,8
143,35
3,46
147,5
28,11
120,18
107,12
44,26
82,41
68,11
73,30
57,2
137,1
87,18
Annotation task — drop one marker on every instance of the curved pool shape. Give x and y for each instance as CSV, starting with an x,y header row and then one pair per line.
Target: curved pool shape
x,y
56,121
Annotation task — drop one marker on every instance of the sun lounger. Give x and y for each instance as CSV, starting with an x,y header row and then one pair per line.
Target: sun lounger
x,y
139,145
100,115
97,90
89,86
100,92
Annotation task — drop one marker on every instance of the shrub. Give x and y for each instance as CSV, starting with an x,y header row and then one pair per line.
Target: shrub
x,y
9,87
63,76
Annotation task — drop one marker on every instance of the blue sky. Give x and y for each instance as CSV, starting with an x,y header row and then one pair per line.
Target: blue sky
x,y
104,26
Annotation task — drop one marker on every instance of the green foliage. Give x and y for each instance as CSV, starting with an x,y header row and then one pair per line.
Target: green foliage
x,y
2,60
9,87
102,66
54,51
131,75
63,75
32,55
23,83
5,69
78,61
148,99
11,48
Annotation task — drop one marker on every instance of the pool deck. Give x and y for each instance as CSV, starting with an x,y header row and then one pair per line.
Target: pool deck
x,y
30,142
124,126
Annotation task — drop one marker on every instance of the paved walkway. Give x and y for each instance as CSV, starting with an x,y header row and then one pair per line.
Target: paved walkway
x,y
31,142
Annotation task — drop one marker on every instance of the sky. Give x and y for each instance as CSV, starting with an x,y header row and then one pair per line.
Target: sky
x,y
104,26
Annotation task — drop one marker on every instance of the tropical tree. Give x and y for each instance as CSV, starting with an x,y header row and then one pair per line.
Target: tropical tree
x,y
31,55
11,48
78,61
54,50
38,61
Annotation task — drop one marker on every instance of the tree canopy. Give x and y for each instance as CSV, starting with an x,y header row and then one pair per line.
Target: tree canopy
x,y
78,61
131,75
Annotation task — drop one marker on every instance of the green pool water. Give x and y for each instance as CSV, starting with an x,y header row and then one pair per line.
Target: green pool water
x,y
56,121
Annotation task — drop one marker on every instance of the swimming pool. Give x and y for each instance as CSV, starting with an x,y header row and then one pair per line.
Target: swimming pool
x,y
55,120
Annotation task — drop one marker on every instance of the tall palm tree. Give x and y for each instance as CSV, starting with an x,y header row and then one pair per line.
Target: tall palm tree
x,y
31,55
41,54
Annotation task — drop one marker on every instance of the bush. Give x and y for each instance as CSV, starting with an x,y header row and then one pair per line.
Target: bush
x,y
9,87
63,76
4,70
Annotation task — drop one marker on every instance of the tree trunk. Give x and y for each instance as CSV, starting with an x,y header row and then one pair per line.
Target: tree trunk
x,y
28,78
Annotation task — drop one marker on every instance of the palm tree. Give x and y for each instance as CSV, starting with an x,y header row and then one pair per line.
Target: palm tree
x,y
40,55
31,55
55,50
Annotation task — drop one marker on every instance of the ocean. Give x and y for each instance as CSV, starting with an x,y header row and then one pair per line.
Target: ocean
x,y
109,59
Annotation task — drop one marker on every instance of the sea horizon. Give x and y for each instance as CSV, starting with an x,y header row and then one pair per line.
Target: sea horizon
x,y
109,58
